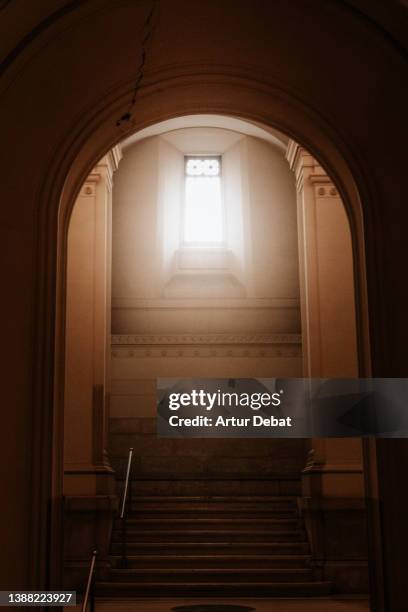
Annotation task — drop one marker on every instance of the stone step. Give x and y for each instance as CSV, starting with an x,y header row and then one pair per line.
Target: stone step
x,y
189,514
204,503
240,509
215,548
231,499
210,535
205,522
215,486
211,560
187,575
213,589
152,460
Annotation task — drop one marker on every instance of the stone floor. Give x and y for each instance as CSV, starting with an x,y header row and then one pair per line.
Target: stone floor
x,y
259,605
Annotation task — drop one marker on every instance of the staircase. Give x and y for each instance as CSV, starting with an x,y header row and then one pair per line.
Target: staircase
x,y
212,545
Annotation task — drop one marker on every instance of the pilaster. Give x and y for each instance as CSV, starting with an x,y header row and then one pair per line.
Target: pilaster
x,y
90,498
326,271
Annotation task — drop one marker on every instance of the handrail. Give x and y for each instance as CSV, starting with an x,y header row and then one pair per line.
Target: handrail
x,y
125,490
123,508
89,582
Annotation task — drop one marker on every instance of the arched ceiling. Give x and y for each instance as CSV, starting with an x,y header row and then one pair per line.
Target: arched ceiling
x,y
23,22
232,124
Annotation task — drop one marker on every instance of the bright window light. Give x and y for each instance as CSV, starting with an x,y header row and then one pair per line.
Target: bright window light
x,y
203,214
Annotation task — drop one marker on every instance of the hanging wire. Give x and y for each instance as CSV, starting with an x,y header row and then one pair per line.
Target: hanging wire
x,y
147,33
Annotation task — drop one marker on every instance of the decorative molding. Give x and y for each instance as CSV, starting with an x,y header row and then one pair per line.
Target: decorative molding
x,y
207,339
106,167
128,346
202,304
207,352
114,156
306,167
88,189
324,189
109,164
292,153
299,159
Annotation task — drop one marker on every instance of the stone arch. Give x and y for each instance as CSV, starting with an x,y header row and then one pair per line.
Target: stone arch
x,y
284,81
251,102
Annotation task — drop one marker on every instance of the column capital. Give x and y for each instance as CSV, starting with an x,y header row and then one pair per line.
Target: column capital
x,y
108,165
306,167
88,189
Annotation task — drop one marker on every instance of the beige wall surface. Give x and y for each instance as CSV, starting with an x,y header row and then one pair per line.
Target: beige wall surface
x,y
135,255
261,244
172,319
272,197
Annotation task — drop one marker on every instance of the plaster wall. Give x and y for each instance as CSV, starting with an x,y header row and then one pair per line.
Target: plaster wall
x,y
170,190
234,168
259,199
338,334
272,197
135,255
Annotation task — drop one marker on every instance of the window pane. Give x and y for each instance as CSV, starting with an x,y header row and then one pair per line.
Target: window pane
x,y
203,218
209,166
203,212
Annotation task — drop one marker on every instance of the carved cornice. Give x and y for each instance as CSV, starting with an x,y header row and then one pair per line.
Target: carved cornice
x,y
292,154
229,352
109,164
299,160
306,167
207,339
114,157
106,167
127,346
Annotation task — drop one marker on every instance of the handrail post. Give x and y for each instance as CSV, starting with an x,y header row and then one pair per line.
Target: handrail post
x,y
123,513
89,584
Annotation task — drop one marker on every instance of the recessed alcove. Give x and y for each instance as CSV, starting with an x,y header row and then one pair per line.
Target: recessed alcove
x,y
249,289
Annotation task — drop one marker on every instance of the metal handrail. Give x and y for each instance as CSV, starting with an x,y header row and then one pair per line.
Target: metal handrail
x,y
89,583
123,508
125,490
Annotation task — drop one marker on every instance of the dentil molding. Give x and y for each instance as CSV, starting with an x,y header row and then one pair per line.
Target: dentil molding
x,y
128,346
222,338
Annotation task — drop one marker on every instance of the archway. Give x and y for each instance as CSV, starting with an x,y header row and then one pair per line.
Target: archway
x,y
261,133
44,142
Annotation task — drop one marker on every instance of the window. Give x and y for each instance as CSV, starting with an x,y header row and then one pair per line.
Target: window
x,y
203,210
